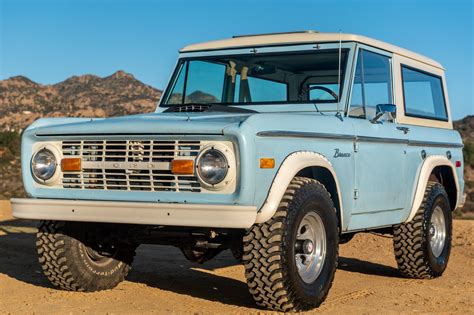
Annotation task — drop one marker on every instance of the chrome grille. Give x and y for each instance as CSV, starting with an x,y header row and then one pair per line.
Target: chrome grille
x,y
130,165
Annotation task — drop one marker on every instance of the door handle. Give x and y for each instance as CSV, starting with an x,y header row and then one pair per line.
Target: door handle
x,y
404,129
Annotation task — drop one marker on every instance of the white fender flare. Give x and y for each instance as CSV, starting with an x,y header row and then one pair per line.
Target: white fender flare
x,y
292,164
426,169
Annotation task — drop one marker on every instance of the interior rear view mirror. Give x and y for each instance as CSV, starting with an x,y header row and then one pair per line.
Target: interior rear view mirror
x,y
262,69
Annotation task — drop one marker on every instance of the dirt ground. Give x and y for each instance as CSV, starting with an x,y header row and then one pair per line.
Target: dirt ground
x,y
162,281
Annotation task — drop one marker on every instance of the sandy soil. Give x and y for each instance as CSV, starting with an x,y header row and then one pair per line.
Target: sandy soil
x,y
162,281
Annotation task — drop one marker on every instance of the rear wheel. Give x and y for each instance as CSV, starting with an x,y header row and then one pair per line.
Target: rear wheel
x,y
291,259
78,257
422,246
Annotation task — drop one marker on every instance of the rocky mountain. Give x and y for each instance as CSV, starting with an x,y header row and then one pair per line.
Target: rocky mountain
x,y
194,97
22,100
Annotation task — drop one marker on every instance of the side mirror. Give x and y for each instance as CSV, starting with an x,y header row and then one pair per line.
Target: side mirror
x,y
382,109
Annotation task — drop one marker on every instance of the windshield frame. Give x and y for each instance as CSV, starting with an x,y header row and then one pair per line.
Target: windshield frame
x,y
346,73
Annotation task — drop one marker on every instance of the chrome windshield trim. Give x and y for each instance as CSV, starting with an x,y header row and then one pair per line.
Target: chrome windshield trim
x,y
317,135
266,48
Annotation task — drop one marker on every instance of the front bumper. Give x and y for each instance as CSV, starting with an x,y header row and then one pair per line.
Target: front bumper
x,y
189,215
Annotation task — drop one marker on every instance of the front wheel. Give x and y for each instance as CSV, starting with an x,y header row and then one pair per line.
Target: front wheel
x,y
291,259
422,246
82,256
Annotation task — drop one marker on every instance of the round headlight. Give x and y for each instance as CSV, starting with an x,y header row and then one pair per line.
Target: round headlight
x,y
212,167
44,164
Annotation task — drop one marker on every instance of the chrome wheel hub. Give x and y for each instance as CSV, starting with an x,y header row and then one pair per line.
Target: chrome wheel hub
x,y
310,247
437,231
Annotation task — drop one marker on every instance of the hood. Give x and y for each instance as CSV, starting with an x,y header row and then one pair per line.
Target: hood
x,y
155,123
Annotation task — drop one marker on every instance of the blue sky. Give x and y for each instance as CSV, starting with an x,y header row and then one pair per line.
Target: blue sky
x,y
49,41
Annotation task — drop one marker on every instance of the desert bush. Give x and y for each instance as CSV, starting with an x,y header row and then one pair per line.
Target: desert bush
x,y
468,152
10,141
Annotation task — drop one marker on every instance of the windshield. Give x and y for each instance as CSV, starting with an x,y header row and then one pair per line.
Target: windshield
x,y
299,77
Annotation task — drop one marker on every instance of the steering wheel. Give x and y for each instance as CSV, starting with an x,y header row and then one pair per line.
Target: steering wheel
x,y
318,87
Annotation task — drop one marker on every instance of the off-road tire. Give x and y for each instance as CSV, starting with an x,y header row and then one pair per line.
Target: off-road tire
x,y
411,240
270,267
62,253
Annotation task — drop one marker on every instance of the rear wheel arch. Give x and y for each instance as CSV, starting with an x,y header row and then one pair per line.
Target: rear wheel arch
x,y
436,168
444,175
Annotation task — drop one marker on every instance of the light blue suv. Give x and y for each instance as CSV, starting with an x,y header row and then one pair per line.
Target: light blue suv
x,y
278,147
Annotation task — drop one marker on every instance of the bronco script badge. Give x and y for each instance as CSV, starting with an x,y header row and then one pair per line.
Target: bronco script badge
x,y
340,154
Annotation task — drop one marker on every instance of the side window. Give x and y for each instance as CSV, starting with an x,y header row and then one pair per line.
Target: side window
x,y
372,84
423,95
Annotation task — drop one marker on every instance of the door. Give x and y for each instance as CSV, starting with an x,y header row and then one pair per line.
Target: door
x,y
380,147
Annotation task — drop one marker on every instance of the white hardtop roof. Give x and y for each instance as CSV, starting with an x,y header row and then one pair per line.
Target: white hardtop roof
x,y
304,37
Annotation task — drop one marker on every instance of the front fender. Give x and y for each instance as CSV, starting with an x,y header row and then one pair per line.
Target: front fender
x,y
292,164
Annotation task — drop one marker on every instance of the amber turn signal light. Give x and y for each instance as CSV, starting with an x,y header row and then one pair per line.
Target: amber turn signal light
x,y
182,167
267,163
71,164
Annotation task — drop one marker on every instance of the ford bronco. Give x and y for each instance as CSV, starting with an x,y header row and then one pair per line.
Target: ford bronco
x,y
278,147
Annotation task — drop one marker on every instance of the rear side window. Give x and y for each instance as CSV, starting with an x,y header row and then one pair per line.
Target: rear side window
x,y
423,95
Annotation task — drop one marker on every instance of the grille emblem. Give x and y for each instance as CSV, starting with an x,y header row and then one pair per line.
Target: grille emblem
x,y
137,151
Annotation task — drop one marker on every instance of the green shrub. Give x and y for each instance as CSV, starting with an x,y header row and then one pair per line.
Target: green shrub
x,y
9,146
469,153
11,141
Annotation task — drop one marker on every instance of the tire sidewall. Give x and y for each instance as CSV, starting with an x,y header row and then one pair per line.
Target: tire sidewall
x,y
312,202
437,265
